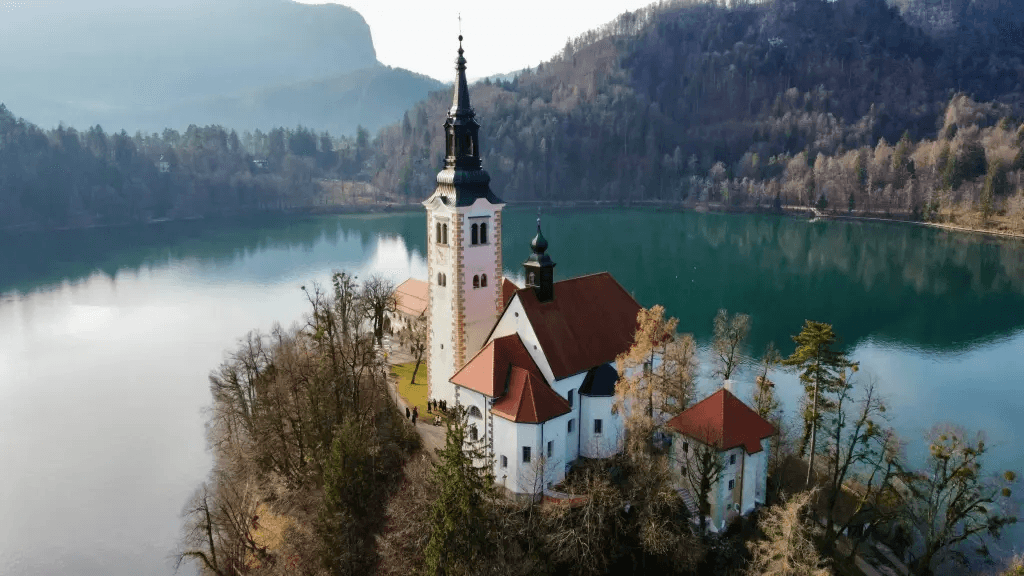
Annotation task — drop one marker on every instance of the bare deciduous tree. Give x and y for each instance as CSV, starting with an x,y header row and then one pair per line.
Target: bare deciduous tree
x,y
377,299
730,333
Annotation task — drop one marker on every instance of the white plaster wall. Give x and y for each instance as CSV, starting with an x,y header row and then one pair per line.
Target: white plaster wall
x,y
506,444
751,472
441,258
609,442
571,440
513,321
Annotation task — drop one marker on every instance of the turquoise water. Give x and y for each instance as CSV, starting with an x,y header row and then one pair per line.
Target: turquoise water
x,y
107,337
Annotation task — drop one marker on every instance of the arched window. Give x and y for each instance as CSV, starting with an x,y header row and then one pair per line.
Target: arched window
x,y
483,233
444,233
483,280
444,279
440,282
474,412
451,144
474,237
437,235
530,278
476,281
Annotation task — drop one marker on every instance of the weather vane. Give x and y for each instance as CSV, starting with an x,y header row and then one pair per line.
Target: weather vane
x,y
460,23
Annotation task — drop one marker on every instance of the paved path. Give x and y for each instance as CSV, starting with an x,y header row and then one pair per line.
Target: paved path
x,y
433,436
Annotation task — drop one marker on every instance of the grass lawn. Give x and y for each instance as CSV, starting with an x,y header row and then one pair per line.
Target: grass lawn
x,y
413,394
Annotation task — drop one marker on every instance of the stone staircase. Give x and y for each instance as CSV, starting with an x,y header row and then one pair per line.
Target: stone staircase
x,y
691,505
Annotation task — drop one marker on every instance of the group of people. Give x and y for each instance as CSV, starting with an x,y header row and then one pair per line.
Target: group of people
x,y
435,406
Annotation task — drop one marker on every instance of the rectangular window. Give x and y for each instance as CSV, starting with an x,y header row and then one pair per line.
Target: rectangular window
x,y
551,448
597,426
682,469
647,368
570,425
526,454
686,447
570,398
732,483
473,433
504,462
732,459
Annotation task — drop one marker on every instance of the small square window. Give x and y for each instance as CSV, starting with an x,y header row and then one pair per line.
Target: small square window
x,y
551,448
732,459
732,484
504,462
597,426
526,454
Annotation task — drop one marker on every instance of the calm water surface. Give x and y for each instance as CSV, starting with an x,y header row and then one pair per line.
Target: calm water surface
x,y
107,337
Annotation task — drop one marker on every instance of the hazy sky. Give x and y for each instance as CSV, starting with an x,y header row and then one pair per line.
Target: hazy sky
x,y
422,35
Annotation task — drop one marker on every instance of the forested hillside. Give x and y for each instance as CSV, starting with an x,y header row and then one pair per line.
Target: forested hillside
x,y
67,178
674,101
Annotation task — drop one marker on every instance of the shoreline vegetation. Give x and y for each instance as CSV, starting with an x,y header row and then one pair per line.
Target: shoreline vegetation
x,y
805,212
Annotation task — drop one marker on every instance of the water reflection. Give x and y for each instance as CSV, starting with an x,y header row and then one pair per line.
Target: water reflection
x,y
107,336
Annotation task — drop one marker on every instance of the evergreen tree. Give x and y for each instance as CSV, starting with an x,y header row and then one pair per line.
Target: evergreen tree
x,y
349,475
459,516
822,369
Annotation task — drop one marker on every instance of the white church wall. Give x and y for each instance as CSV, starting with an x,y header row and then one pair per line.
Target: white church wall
x,y
506,442
609,441
441,305
514,321
572,439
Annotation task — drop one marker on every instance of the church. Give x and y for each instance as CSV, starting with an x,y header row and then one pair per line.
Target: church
x,y
534,367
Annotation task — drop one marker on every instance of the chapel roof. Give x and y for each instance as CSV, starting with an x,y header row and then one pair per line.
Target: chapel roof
x,y
487,372
590,321
508,290
722,420
529,399
411,297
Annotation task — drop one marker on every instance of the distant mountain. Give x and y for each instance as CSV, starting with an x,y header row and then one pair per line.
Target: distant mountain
x,y
145,65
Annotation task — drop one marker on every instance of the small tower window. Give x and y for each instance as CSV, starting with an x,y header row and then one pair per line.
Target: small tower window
x,y
570,400
467,145
437,234
444,234
444,279
531,279
483,280
450,144
473,239
732,459
476,281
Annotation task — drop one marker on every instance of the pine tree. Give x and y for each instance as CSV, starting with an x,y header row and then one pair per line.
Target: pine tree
x,y
822,369
459,516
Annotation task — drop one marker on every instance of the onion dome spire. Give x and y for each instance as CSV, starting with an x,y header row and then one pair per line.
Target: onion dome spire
x,y
539,268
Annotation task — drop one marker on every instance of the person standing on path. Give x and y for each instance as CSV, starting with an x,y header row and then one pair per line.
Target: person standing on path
x,y
407,416
415,414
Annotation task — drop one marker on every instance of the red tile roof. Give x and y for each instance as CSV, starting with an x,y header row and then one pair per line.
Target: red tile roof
x,y
590,321
505,362
724,421
487,371
529,399
412,297
508,289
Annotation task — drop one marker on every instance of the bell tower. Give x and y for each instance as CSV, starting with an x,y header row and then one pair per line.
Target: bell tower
x,y
463,247
540,269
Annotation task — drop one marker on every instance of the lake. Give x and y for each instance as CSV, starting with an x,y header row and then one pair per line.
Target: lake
x,y
107,337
